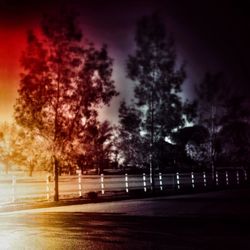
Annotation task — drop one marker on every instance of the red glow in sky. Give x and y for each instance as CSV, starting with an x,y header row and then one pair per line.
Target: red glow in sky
x,y
12,43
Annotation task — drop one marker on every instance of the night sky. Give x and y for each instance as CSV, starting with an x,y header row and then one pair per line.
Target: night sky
x,y
209,37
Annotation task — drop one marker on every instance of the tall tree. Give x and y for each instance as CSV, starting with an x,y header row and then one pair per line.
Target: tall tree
x,y
158,82
211,108
63,83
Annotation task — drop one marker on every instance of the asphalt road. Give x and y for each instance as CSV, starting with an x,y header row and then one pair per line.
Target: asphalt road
x,y
216,220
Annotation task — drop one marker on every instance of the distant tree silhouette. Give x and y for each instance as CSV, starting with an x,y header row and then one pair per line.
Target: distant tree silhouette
x,y
63,83
235,144
197,134
158,83
234,136
237,109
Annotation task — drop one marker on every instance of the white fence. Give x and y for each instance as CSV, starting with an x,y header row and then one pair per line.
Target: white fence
x,y
17,189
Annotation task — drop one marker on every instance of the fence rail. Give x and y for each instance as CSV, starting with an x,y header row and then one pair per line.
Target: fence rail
x,y
20,189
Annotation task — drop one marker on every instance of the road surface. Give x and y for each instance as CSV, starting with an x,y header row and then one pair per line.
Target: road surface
x,y
216,220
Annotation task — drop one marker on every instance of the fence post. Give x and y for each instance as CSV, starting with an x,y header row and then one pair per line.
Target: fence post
x,y
204,179
126,182
192,179
216,178
80,184
102,183
13,188
48,187
178,180
151,180
227,181
160,181
237,177
144,182
245,175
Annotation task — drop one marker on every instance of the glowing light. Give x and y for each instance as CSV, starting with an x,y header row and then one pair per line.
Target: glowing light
x,y
168,140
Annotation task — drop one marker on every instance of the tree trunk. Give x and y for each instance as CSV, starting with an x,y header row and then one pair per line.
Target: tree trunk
x,y
56,173
212,146
6,168
31,168
152,172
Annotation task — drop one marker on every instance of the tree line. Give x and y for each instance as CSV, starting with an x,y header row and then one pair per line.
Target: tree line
x,y
66,79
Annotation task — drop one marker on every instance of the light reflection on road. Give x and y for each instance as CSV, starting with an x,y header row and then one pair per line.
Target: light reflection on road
x,y
178,222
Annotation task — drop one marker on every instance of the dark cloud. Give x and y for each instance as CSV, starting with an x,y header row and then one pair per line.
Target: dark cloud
x,y
221,28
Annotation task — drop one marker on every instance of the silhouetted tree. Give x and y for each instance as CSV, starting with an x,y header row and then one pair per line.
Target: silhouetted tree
x,y
130,140
102,145
63,83
158,82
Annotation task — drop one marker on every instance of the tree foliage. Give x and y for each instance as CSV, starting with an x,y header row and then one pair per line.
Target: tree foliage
x,y
158,80
22,149
7,134
211,100
234,135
